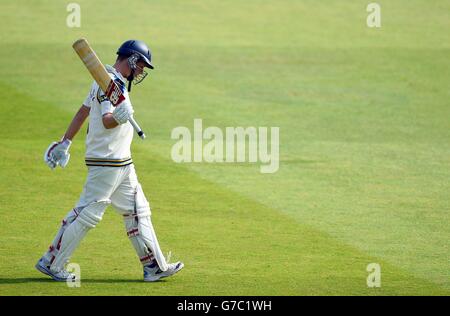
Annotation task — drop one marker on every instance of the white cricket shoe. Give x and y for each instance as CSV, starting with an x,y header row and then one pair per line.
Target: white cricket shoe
x,y
154,273
44,266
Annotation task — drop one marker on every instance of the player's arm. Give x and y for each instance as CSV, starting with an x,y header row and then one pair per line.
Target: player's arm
x,y
77,122
109,121
120,115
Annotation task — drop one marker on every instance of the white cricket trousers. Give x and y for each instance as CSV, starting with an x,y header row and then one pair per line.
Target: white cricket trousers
x,y
116,185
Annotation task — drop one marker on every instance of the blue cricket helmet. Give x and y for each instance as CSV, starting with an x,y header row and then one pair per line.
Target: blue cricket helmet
x,y
136,47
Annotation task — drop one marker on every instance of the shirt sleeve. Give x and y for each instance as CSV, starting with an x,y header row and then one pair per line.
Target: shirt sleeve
x,y
105,104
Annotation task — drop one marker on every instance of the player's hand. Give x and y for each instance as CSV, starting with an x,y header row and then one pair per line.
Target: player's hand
x,y
123,112
58,154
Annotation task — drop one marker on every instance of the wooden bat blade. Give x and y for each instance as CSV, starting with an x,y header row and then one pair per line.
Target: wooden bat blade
x,y
98,71
92,63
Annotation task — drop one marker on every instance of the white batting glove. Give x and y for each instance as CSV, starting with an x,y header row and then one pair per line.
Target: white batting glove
x,y
58,154
123,112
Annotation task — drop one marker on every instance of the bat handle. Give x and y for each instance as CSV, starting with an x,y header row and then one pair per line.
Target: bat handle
x,y
137,127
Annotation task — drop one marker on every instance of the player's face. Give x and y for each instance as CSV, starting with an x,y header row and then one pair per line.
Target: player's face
x,y
140,68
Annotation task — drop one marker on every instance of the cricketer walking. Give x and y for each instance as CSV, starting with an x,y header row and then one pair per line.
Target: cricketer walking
x,y
111,176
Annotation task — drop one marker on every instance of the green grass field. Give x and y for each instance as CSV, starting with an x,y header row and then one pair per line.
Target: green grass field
x,y
364,154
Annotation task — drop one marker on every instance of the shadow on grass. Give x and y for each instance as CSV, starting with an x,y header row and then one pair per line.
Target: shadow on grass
x,y
48,280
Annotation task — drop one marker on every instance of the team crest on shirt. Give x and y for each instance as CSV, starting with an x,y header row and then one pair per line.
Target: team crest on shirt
x,y
120,84
100,96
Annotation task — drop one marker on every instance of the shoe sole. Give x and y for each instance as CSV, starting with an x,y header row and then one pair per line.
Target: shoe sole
x,y
47,272
156,278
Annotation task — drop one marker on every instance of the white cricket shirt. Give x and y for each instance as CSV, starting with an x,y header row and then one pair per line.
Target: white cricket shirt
x,y
107,147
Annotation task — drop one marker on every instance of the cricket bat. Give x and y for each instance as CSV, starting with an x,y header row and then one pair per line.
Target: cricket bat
x,y
100,75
